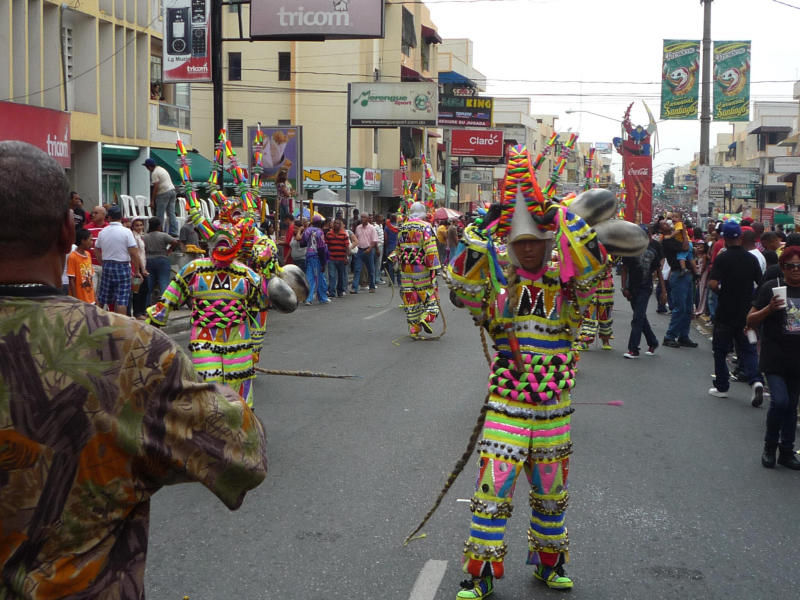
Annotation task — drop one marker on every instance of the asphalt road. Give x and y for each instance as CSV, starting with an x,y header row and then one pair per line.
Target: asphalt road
x,y
668,497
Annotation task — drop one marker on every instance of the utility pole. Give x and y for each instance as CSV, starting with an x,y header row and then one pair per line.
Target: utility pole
x,y
705,78
216,67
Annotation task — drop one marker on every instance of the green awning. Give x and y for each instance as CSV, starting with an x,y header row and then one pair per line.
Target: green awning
x,y
200,165
782,218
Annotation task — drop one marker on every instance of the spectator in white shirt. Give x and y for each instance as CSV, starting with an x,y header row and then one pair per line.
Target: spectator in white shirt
x,y
118,252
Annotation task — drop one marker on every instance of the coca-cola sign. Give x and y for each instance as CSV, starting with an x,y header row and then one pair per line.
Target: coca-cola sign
x,y
474,142
640,172
44,128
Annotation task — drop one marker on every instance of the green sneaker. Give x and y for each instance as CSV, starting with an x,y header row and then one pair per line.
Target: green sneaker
x,y
474,589
553,577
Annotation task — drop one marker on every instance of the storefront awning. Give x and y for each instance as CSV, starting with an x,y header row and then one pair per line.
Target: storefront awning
x,y
430,35
200,165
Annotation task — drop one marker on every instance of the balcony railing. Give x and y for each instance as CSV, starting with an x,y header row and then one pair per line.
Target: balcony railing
x,y
171,115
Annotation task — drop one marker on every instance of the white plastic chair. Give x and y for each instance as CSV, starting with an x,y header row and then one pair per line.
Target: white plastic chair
x,y
143,206
182,215
128,206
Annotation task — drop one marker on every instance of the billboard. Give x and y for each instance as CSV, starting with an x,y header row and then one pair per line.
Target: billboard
x,y
333,178
603,147
316,19
477,142
731,81
465,111
786,164
187,41
680,81
46,129
638,174
283,149
377,104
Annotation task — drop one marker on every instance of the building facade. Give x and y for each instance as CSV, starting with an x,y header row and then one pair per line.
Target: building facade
x,y
94,67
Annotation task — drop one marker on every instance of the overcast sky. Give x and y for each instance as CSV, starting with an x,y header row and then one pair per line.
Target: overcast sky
x,y
601,55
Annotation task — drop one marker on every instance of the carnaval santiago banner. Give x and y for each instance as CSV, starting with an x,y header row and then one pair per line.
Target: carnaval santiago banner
x,y
732,81
680,83
638,175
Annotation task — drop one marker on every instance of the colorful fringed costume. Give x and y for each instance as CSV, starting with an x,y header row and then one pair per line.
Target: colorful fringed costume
x,y
221,298
597,321
532,317
418,262
228,299
528,422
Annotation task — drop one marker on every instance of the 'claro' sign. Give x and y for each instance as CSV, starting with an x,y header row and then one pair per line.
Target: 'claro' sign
x,y
477,142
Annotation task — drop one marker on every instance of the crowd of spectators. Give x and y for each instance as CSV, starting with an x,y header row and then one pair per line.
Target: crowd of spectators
x,y
743,281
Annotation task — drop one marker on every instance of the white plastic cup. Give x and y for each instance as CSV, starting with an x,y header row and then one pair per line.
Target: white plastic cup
x,y
751,336
780,291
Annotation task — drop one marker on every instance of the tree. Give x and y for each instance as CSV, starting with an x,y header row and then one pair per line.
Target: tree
x,y
669,178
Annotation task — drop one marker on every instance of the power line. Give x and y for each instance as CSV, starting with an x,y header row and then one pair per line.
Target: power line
x,y
787,4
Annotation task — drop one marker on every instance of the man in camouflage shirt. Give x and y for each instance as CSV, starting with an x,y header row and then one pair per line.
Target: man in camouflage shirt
x,y
97,412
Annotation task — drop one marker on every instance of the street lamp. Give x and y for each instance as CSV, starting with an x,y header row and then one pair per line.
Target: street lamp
x,y
663,150
588,112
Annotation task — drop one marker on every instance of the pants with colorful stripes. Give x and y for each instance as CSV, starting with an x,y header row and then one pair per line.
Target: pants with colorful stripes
x,y
527,427
225,355
597,319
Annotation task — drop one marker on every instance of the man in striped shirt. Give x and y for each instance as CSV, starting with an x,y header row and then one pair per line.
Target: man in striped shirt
x,y
338,247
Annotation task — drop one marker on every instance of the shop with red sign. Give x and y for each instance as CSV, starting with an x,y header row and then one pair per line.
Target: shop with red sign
x,y
41,127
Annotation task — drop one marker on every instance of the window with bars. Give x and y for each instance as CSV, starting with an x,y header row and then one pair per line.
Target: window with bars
x,y
236,132
284,66
234,66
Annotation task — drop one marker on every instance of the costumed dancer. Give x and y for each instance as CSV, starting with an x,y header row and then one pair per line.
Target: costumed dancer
x,y
531,311
221,292
418,261
597,321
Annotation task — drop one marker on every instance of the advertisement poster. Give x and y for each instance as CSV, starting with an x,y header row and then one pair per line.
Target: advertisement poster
x,y
315,178
467,142
380,104
680,79
465,111
187,41
283,149
731,81
316,19
41,127
638,174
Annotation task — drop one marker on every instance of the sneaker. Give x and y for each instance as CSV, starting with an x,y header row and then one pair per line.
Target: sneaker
x,y
715,392
426,326
631,354
687,343
651,350
307,303
757,398
554,578
606,346
353,291
326,301
371,290
670,343
473,589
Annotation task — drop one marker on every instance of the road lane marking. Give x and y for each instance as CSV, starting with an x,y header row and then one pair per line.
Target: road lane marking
x,y
428,580
378,314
